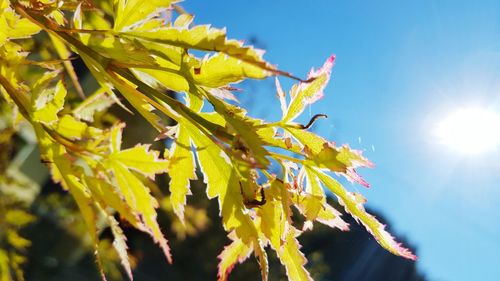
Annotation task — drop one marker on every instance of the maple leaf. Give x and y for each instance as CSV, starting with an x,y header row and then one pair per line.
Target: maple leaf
x,y
47,103
135,192
72,129
205,38
107,195
133,96
314,208
222,182
65,175
354,205
130,13
291,257
122,51
141,159
220,70
183,163
236,252
274,215
272,221
120,244
99,101
261,254
324,154
248,141
308,92
13,26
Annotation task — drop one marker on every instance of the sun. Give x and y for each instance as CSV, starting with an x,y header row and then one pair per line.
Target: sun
x,y
470,130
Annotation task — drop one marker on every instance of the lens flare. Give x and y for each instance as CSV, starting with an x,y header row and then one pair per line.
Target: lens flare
x,y
470,130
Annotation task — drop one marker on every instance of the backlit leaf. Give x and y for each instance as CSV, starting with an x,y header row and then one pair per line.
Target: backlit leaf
x,y
273,215
292,258
314,208
138,196
120,244
222,182
205,38
236,252
135,12
306,93
182,162
248,142
97,102
141,159
107,196
73,129
355,208
220,70
13,26
261,254
48,102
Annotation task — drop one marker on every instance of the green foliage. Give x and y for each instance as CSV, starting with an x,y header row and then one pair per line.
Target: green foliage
x,y
136,53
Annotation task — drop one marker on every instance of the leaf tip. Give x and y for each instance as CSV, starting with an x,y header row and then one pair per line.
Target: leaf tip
x,y
326,68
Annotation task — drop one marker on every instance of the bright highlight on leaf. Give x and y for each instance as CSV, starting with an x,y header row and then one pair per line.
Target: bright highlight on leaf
x,y
140,51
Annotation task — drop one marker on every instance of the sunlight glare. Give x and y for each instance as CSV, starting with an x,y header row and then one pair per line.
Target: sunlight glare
x,y
470,130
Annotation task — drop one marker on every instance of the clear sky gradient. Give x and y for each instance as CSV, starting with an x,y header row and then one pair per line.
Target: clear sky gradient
x,y
400,69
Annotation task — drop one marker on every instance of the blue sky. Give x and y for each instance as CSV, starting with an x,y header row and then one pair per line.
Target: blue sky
x,y
400,69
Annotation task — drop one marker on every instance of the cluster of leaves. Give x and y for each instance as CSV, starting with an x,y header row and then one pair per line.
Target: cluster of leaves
x,y
138,52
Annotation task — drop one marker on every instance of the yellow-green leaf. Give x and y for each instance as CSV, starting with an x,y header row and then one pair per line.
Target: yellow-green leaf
x,y
138,196
130,13
120,245
355,207
182,167
313,142
70,128
292,258
184,20
222,182
83,199
97,102
47,103
220,70
247,141
107,196
206,38
272,215
138,101
327,158
261,255
141,159
315,208
130,92
14,27
306,93
236,252
122,50
324,154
